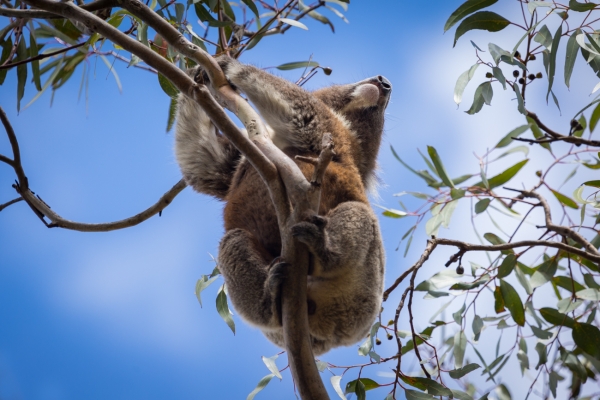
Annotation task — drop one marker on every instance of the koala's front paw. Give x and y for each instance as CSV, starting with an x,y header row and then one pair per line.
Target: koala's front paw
x,y
278,272
199,75
311,232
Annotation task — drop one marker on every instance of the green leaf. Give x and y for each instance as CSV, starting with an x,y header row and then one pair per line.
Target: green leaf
x,y
205,16
467,8
270,363
167,86
297,64
544,37
513,302
552,59
460,372
556,318
422,174
581,7
261,385
485,20
520,102
223,310
460,345
35,65
589,280
293,22
571,55
506,140
493,239
564,200
544,273
482,205
589,294
6,48
439,167
507,266
542,354
172,113
595,184
587,338
367,383
467,286
594,118
414,395
21,71
505,176
462,82
483,90
202,284
252,7
567,283
540,333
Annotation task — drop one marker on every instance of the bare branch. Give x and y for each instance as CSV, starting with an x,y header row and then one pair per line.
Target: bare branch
x,y
431,245
412,325
561,230
558,137
41,56
13,201
59,222
16,161
42,14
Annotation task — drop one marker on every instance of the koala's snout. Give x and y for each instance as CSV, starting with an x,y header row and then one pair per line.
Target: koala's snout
x,y
384,84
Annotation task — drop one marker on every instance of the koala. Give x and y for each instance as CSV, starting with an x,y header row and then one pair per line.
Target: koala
x,y
347,259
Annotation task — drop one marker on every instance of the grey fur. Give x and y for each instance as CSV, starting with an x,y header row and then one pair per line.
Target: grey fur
x,y
347,268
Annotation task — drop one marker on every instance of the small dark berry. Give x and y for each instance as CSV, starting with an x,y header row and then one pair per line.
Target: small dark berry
x,y
489,75
538,174
579,127
389,337
517,54
460,270
377,341
327,71
531,76
532,57
521,81
574,123
539,75
515,73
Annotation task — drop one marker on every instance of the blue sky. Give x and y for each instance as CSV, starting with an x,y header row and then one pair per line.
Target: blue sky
x,y
113,315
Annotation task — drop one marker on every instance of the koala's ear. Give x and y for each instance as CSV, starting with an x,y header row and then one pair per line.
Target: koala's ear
x,y
364,96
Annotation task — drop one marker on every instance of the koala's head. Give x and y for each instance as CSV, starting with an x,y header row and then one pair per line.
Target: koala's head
x,y
362,105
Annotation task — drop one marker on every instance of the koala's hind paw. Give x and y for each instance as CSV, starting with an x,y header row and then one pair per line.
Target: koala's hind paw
x,y
278,271
311,231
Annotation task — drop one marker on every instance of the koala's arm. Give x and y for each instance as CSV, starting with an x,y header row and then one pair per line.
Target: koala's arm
x,y
207,159
347,237
287,108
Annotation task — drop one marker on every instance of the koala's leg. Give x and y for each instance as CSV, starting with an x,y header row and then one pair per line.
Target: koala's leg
x,y
294,114
206,158
252,280
345,237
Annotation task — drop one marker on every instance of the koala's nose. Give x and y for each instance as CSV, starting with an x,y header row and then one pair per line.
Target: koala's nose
x,y
386,86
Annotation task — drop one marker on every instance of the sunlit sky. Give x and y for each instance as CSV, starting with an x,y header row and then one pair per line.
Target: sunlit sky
x,y
114,315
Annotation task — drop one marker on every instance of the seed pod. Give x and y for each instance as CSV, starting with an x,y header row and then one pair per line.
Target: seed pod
x,y
538,174
531,76
377,341
489,75
460,270
389,337
574,123
539,75
521,81
517,54
515,73
532,57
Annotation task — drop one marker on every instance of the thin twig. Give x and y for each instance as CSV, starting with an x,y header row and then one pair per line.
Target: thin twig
x,y
13,201
41,56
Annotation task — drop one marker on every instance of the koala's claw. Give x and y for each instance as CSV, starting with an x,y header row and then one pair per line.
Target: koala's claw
x,y
310,232
278,271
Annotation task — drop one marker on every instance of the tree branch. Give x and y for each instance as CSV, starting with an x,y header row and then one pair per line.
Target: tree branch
x,y
558,137
41,56
13,201
42,14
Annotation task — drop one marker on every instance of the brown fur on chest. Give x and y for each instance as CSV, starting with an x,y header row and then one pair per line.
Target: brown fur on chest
x,y
249,205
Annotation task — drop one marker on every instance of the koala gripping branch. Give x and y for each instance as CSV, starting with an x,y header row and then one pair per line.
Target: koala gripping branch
x,y
285,181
